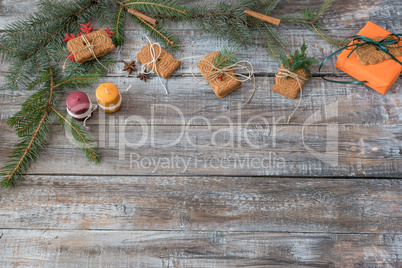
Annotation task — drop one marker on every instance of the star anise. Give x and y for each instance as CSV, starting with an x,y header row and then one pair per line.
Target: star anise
x,y
143,76
130,67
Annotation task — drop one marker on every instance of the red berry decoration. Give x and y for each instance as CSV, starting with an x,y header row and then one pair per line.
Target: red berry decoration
x,y
109,32
220,77
69,37
87,28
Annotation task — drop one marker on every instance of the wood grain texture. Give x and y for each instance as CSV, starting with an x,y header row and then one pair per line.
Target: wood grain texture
x,y
207,207
352,151
356,105
203,204
196,249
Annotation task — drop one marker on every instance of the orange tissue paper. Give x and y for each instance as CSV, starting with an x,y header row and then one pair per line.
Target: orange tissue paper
x,y
380,76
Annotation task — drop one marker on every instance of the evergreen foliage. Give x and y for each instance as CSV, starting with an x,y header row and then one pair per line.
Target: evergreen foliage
x,y
33,123
226,57
156,8
298,60
34,46
310,18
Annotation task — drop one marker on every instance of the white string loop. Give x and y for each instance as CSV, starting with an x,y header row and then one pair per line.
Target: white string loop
x,y
86,115
153,62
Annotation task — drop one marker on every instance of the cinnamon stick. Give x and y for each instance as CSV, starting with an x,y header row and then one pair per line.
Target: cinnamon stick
x,y
263,17
142,16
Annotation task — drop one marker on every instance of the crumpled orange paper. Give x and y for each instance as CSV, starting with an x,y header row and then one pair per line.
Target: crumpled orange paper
x,y
380,76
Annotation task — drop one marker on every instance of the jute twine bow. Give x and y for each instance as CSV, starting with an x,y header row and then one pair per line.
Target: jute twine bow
x,y
283,72
152,64
228,70
90,46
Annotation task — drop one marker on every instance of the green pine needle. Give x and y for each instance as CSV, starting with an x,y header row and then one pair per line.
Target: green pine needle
x,y
33,123
298,60
310,18
226,57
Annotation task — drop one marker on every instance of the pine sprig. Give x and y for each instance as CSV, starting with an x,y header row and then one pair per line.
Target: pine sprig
x,y
224,20
118,26
26,151
227,56
81,137
310,18
166,8
298,60
33,122
170,8
29,44
158,33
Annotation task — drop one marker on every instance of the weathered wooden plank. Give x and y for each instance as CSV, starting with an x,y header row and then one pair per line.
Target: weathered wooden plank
x,y
203,204
353,105
196,249
260,150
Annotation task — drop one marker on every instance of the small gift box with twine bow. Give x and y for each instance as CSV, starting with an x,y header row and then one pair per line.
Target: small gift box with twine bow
x,y
220,83
89,44
374,57
293,74
157,59
219,70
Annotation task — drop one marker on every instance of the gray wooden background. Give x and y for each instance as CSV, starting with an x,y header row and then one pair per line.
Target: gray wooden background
x,y
298,210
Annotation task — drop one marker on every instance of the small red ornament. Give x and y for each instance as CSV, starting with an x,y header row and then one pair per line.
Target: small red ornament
x,y
220,77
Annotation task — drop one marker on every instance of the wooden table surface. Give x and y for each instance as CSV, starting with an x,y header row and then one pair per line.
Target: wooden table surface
x,y
190,180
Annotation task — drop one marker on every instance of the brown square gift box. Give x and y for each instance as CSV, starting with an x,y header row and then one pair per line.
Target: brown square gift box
x,y
101,41
166,64
223,87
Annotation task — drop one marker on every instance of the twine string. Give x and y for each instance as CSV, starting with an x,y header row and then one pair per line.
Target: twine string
x,y
152,64
90,46
86,115
230,71
283,72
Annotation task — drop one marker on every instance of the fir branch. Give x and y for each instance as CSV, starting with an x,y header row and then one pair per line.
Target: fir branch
x,y
227,56
78,81
224,20
310,19
77,131
267,42
33,122
324,7
158,32
118,26
168,8
163,7
27,150
45,30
